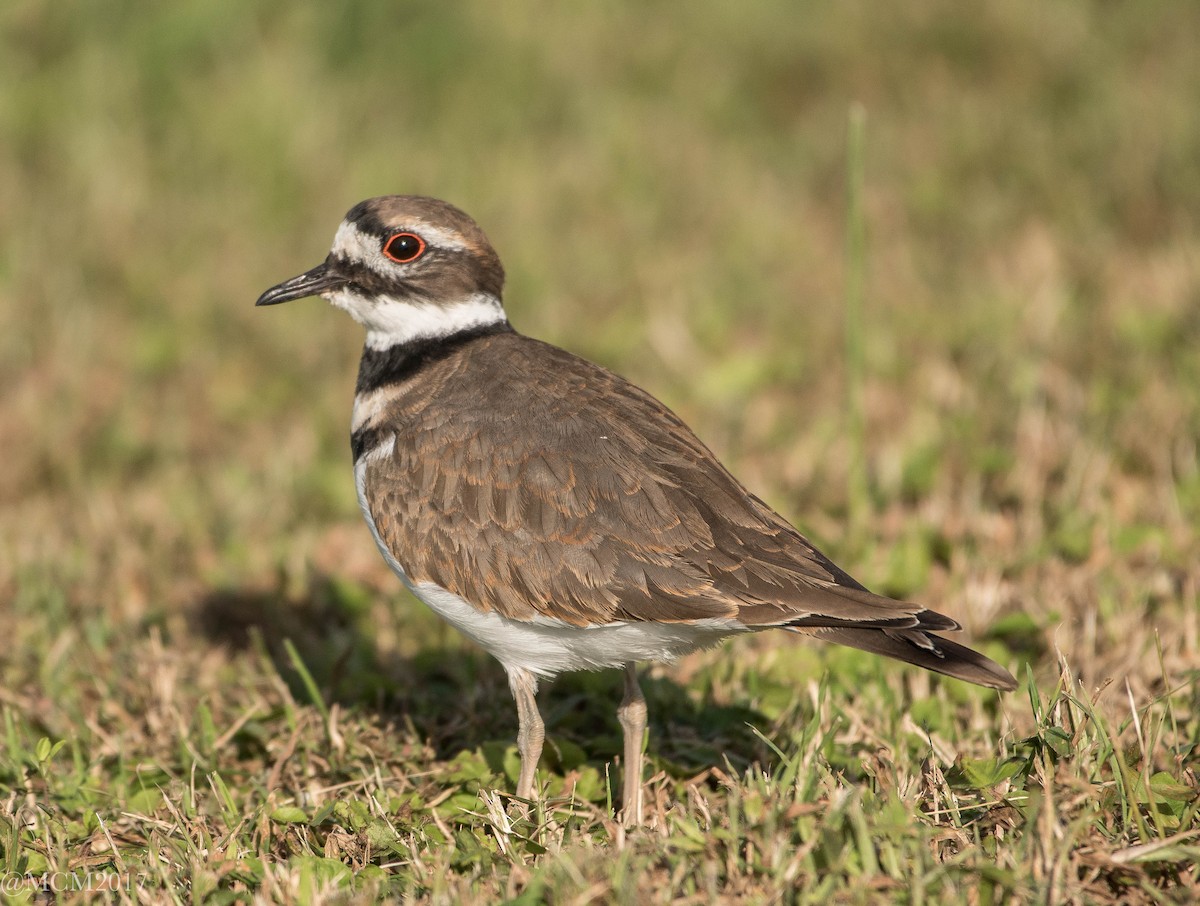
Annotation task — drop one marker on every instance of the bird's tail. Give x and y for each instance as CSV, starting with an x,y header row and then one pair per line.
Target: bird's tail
x,y
925,649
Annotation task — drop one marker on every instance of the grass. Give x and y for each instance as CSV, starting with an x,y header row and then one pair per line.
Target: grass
x,y
213,690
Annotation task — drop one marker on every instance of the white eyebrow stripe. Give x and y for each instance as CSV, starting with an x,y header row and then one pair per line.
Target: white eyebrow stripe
x,y
436,236
354,245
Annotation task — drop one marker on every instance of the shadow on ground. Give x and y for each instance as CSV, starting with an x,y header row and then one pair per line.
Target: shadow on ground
x,y
458,697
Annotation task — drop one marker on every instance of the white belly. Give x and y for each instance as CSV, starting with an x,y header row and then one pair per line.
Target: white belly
x,y
546,646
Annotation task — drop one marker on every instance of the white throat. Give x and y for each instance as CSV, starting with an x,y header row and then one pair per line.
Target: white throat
x,y
393,322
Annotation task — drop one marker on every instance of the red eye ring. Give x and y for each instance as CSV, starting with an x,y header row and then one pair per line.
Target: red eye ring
x,y
404,247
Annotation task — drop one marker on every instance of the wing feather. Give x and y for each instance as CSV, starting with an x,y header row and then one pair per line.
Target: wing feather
x,y
530,482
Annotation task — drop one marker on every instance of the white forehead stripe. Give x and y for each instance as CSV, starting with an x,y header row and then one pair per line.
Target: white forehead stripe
x,y
350,242
391,321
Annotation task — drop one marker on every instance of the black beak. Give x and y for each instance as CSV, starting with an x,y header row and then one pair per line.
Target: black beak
x,y
320,279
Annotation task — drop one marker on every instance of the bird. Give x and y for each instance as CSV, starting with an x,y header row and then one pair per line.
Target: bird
x,y
558,515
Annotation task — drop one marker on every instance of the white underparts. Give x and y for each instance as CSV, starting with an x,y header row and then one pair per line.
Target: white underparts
x,y
546,646
391,321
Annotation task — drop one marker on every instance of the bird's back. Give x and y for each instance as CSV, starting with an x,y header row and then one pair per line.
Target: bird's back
x,y
531,482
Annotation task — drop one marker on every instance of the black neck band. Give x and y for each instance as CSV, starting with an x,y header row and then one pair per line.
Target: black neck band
x,y
380,367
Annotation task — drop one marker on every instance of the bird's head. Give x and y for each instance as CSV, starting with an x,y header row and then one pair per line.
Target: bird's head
x,y
406,267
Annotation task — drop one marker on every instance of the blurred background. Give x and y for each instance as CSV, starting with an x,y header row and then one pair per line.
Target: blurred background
x,y
666,185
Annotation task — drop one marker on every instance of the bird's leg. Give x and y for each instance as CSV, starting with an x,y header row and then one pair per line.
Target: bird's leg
x,y
531,732
632,715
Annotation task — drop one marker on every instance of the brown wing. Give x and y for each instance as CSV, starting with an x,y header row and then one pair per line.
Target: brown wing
x,y
556,487
528,481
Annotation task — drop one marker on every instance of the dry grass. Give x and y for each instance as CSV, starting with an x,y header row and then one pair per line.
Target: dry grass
x,y
214,689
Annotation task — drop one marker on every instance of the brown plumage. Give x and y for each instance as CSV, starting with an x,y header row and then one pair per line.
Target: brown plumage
x,y
590,502
556,513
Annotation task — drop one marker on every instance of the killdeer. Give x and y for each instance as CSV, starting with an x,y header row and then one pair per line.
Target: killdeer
x,y
556,514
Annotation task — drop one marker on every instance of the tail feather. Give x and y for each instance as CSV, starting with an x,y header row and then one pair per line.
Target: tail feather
x,y
926,650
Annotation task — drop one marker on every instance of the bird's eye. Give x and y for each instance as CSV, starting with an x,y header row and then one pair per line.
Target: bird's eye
x,y
404,247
